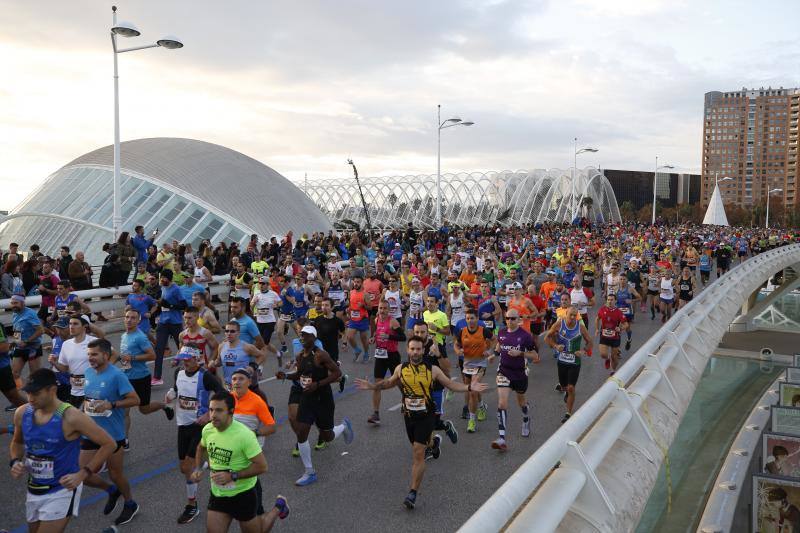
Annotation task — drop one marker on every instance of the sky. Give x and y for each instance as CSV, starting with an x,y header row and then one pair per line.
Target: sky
x,y
301,86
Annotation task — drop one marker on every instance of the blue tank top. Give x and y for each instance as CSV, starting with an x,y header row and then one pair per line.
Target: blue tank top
x,y
233,359
61,304
624,294
286,306
48,455
299,295
705,262
486,313
570,338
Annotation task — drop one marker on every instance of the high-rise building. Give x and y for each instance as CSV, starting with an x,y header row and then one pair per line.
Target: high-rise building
x,y
751,136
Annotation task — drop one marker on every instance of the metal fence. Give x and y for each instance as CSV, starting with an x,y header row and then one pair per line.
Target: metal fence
x,y
595,473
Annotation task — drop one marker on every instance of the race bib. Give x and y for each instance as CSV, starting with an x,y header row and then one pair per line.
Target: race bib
x,y
18,336
502,381
608,333
263,311
77,381
125,364
286,318
61,313
566,357
51,310
415,404
89,408
489,324
305,381
39,467
625,310
187,404
355,315
165,309
471,370
381,353
232,294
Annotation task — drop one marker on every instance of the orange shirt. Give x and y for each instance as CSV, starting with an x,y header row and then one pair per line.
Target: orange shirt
x,y
474,343
374,288
468,278
547,289
358,306
250,409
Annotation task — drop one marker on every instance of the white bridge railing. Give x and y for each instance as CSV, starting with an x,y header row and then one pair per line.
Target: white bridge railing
x,y
595,473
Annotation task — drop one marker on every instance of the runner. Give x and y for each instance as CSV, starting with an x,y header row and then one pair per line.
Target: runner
x,y
473,344
27,341
416,304
388,332
46,446
8,386
514,346
687,286
286,314
108,394
653,288
415,379
235,353
236,460
170,322
198,335
330,329
627,297
666,294
73,359
206,317
565,338
582,298
296,390
263,304
359,317
315,371
608,324
193,387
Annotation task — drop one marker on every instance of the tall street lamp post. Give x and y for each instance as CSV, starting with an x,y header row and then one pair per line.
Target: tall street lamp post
x,y
448,123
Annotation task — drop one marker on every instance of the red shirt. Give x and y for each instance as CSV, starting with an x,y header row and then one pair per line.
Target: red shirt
x,y
539,304
610,319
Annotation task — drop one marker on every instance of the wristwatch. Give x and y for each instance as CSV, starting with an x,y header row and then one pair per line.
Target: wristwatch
x,y
234,475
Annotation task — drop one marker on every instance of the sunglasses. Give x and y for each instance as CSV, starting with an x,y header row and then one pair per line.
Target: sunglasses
x,y
512,318
231,331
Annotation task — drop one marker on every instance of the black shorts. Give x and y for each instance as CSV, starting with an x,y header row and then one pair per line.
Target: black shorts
x,y
142,387
614,343
242,507
76,401
188,439
87,444
520,386
419,428
62,392
373,312
568,374
317,408
295,393
7,379
26,354
537,328
652,292
266,329
384,365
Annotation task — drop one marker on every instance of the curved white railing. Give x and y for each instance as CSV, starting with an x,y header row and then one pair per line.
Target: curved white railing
x,y
595,473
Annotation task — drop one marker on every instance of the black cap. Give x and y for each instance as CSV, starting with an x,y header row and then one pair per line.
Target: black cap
x,y
166,274
40,379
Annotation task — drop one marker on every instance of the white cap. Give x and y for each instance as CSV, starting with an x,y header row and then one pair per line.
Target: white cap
x,y
311,330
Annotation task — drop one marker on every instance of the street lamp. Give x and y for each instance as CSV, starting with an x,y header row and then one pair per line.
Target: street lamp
x,y
448,123
126,29
769,194
655,179
573,204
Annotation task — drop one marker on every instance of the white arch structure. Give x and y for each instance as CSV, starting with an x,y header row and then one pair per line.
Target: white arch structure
x,y
596,472
530,196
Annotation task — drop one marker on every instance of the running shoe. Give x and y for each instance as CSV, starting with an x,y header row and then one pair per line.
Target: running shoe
x,y
481,412
526,429
451,431
284,349
129,510
342,382
10,408
471,426
356,354
558,387
410,501
320,445
306,479
565,417
154,381
500,444
628,344
282,506
428,453
169,412
436,449
189,513
374,419
111,502
126,447
295,451
348,430
465,413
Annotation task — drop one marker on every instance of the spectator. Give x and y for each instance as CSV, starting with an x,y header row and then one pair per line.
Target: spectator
x,y
63,263
109,272
127,254
10,281
80,273
165,259
12,250
30,277
141,244
47,289
35,253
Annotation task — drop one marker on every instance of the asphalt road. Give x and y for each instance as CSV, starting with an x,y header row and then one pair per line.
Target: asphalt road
x,y
361,487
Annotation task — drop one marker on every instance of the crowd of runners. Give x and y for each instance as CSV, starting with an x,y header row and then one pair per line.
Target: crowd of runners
x,y
435,313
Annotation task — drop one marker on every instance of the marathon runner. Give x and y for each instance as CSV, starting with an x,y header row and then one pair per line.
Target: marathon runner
x,y
27,340
330,328
195,334
565,338
514,346
415,379
358,323
263,304
235,353
46,446
608,324
388,332
73,359
473,343
626,302
687,286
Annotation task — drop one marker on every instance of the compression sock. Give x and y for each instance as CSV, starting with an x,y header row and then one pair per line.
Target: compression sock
x,y
191,491
338,430
525,417
501,422
305,456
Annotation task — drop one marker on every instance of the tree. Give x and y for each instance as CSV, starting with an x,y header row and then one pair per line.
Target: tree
x,y
627,211
392,199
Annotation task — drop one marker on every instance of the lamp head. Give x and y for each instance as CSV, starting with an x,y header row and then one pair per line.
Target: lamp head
x,y
126,29
466,123
170,42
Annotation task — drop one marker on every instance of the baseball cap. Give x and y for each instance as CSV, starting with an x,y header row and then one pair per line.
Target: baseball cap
x,y
311,330
187,352
264,279
40,379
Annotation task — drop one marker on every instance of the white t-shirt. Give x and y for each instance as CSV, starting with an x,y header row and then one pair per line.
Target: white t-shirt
x,y
265,303
74,356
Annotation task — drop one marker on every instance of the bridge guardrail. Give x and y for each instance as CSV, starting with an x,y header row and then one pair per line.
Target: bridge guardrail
x,y
600,466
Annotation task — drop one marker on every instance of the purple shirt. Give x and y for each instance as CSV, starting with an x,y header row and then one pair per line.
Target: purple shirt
x,y
514,367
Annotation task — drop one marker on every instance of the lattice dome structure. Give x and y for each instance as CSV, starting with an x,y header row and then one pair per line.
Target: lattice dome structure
x,y
476,198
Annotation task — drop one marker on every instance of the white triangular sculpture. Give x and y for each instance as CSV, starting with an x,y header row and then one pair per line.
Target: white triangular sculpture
x,y
715,214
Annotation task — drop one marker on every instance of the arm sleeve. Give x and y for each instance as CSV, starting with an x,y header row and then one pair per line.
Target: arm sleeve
x,y
397,334
210,383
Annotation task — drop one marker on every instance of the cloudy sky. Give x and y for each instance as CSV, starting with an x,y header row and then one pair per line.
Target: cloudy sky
x,y
302,85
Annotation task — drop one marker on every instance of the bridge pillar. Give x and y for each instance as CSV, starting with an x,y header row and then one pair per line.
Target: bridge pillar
x,y
751,308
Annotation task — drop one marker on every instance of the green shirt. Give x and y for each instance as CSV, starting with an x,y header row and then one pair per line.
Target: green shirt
x,y
438,319
230,450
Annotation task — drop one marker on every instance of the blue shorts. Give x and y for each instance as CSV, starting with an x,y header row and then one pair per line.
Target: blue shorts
x,y
359,325
411,322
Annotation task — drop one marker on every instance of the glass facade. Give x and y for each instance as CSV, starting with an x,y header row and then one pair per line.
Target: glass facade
x,y
85,194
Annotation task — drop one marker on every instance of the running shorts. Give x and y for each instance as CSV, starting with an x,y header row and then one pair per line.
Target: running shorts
x,y
242,507
614,343
317,409
295,393
568,374
53,506
142,387
420,428
384,365
89,445
7,379
358,325
519,386
188,438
